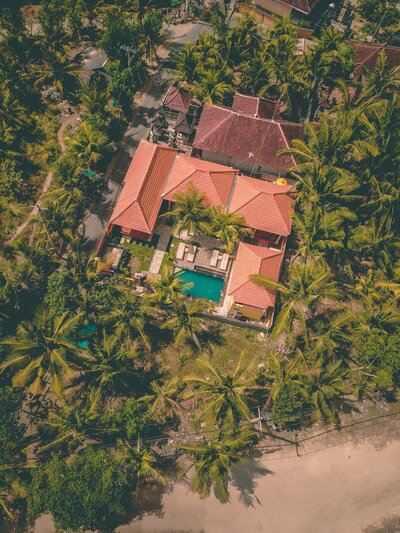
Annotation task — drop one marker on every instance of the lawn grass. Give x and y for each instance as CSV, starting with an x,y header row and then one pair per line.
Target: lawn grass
x,y
142,254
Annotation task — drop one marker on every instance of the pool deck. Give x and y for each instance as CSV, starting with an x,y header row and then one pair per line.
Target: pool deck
x,y
205,247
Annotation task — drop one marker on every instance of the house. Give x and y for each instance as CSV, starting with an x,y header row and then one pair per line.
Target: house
x,y
285,8
248,300
176,119
366,54
154,178
247,136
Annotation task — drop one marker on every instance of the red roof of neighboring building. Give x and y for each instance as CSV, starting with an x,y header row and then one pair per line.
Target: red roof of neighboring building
x,y
177,99
211,179
140,199
258,107
264,205
365,55
251,260
243,137
305,6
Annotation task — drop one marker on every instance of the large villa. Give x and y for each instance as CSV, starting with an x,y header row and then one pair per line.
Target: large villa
x,y
156,174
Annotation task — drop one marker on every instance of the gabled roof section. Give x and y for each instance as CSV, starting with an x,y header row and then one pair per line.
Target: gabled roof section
x,y
305,6
139,202
251,260
246,138
264,205
256,106
211,179
177,99
365,55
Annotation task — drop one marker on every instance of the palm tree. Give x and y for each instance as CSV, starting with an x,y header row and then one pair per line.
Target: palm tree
x,y
88,144
41,350
57,71
213,461
225,394
308,284
167,289
186,64
129,317
381,78
108,368
163,399
228,227
85,271
322,386
189,212
216,83
280,372
186,322
255,75
95,98
383,316
74,424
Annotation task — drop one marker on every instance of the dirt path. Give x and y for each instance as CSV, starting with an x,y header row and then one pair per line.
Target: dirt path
x,y
65,121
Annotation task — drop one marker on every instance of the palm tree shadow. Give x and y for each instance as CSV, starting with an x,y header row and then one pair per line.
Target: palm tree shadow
x,y
244,477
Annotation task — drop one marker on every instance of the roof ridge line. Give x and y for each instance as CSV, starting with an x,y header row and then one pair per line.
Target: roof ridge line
x,y
218,125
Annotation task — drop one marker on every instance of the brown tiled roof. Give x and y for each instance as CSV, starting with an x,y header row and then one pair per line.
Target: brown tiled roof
x,y
365,55
177,99
251,260
246,138
264,205
140,201
211,179
305,6
256,106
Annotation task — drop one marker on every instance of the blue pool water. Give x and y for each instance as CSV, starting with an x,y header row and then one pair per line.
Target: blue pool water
x,y
203,286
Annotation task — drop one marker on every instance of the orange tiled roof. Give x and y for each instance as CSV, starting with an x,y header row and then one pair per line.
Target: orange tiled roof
x,y
366,54
140,199
177,99
211,179
251,260
264,205
256,106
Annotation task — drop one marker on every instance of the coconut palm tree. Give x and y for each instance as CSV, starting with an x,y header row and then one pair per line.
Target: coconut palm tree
x,y
308,284
186,64
163,399
129,317
225,395
228,227
322,386
255,73
74,425
85,272
57,70
280,372
88,144
41,350
189,212
213,461
13,477
186,322
216,82
95,98
381,78
108,366
167,289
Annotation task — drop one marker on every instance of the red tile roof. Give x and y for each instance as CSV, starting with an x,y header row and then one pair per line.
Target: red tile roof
x,y
255,106
177,99
243,137
264,205
365,55
305,6
140,199
251,260
213,180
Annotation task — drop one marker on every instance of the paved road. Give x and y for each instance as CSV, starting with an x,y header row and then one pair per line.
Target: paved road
x,y
147,102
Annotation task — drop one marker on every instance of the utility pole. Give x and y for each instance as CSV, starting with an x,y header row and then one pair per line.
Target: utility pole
x,y
375,35
129,50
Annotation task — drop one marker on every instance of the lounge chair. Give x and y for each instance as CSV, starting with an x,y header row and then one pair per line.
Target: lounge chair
x,y
214,258
191,254
180,251
224,262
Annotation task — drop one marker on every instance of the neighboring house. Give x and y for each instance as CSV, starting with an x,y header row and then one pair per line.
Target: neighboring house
x,y
284,8
95,65
248,300
366,54
157,173
176,119
247,136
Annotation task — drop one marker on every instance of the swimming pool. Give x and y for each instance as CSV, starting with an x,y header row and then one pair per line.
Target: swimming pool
x,y
203,286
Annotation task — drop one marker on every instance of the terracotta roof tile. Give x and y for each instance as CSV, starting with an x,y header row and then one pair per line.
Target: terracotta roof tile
x,y
251,260
139,202
365,55
265,206
243,137
305,6
256,106
211,179
177,99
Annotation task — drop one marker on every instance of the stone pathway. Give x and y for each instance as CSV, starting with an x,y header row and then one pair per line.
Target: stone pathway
x,y
158,256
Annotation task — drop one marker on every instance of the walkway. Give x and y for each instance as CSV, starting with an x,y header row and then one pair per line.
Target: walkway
x,y
165,235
